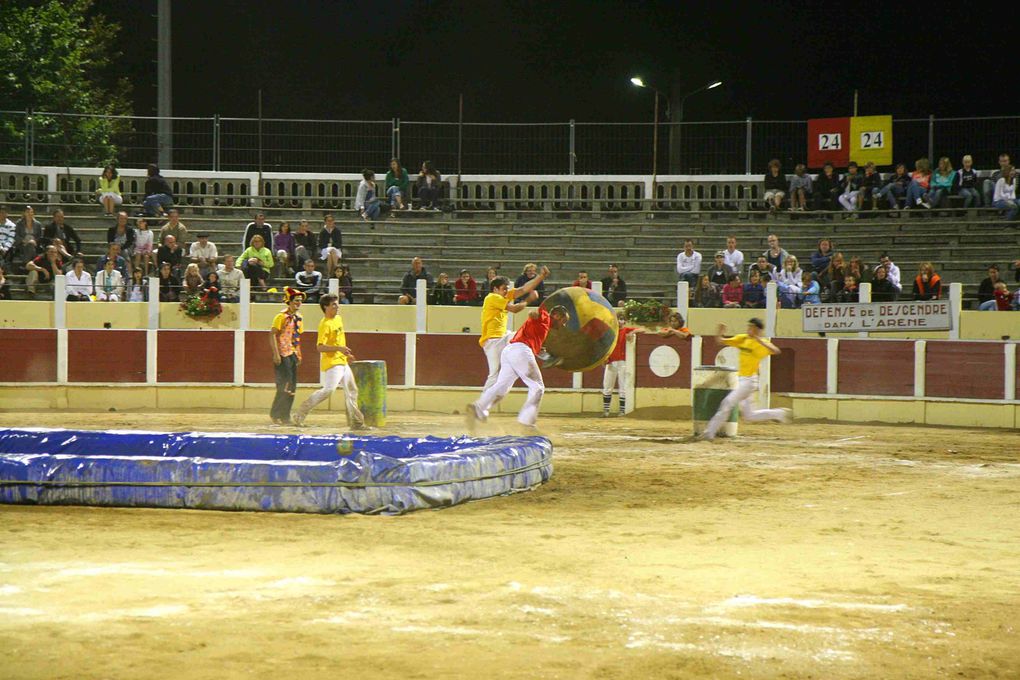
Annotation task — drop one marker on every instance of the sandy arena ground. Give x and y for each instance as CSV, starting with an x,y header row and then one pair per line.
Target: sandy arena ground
x,y
802,551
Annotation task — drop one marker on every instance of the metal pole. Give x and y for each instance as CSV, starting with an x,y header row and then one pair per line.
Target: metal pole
x,y
260,136
28,136
164,85
573,150
855,103
396,137
747,149
680,137
216,142
655,145
393,138
460,134
931,136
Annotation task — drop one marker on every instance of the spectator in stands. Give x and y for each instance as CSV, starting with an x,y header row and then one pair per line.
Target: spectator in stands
x,y
430,187
927,284
849,187
331,243
408,285
675,327
192,284
858,269
230,280
614,288
109,284
965,183
826,189
896,187
256,262
870,184
28,235
158,195
942,181
138,289
892,273
260,227
920,184
1004,197
719,272
305,244
688,264
733,257
762,266
169,285
1001,300
5,287
538,294
754,292
582,280
820,258
174,227
466,289
486,287
345,284
810,290
143,245
707,293
211,289
203,254
109,190
775,254
7,229
988,187
124,236
800,188
833,277
309,281
367,202
986,291
283,246
60,230
849,292
443,292
788,283
882,289
119,262
776,186
398,185
78,284
733,292
171,253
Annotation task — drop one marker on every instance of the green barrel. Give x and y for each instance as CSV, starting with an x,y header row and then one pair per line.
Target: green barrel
x,y
710,386
371,379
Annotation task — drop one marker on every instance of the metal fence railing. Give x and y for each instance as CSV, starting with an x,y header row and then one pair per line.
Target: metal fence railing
x,y
565,148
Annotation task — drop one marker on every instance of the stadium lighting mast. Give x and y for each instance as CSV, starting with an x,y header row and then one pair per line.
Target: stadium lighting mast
x,y
639,82
679,129
164,85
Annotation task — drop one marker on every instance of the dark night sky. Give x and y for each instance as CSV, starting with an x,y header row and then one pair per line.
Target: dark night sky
x,y
552,61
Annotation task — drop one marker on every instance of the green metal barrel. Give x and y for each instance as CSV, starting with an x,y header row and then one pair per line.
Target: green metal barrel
x,y
371,379
710,386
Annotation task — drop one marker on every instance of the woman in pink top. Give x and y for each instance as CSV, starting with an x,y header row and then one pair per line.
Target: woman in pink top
x,y
733,292
920,182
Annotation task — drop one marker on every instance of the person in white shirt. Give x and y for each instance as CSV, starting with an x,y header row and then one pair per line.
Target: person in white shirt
x,y
109,284
78,283
731,256
7,228
1004,197
367,202
688,264
230,280
892,273
203,253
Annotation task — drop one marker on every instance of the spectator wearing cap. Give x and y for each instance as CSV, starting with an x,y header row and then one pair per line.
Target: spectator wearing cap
x,y
466,289
614,288
719,272
203,253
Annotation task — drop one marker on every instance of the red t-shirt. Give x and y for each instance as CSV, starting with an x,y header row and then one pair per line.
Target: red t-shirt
x,y
533,332
620,351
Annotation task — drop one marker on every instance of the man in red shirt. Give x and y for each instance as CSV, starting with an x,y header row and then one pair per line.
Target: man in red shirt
x,y
616,369
518,361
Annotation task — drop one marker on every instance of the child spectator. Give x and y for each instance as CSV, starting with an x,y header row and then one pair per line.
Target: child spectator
x,y
309,281
109,284
109,190
927,284
882,289
707,293
429,186
896,187
870,184
212,287
192,284
788,282
733,292
169,285
762,266
800,188
346,285
398,186
821,257
966,183
826,189
810,290
849,293
850,187
1004,197
1000,299
143,245
754,292
230,280
582,280
137,290
283,246
920,184
942,182
78,283
442,294
366,202
776,186
467,289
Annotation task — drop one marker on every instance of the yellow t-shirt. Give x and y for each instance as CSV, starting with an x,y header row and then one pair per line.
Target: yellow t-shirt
x,y
751,353
331,332
494,315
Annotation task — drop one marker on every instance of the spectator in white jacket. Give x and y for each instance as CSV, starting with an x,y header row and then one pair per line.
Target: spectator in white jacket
x,y
731,256
109,284
688,264
78,283
367,202
892,273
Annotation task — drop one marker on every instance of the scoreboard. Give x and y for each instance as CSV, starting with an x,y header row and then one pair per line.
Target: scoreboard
x,y
857,138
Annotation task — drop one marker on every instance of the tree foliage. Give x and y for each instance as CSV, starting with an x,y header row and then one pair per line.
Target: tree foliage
x,y
58,59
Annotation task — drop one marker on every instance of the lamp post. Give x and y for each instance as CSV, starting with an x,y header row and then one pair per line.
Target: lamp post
x,y
710,86
637,81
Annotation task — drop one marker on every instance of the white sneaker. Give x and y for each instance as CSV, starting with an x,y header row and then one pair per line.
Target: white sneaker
x,y
477,413
787,415
706,437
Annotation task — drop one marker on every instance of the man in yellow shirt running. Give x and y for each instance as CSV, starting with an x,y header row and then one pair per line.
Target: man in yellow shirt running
x,y
753,348
334,355
497,303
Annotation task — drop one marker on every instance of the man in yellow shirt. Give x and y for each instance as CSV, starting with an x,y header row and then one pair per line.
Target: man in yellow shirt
x,y
753,348
334,355
285,340
497,303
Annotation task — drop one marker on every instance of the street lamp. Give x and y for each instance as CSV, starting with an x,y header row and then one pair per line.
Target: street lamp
x,y
636,80
679,128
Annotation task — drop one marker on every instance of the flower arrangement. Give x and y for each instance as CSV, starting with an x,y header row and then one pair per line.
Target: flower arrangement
x,y
645,311
205,305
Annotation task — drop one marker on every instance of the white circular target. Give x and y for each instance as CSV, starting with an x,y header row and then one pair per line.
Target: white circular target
x,y
664,361
728,357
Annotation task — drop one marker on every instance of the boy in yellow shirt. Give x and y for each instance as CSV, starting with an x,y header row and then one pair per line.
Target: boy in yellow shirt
x,y
497,303
753,348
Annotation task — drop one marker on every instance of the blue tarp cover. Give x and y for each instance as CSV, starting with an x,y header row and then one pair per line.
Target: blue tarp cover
x,y
270,472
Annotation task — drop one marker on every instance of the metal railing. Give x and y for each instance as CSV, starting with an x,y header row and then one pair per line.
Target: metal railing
x,y
563,148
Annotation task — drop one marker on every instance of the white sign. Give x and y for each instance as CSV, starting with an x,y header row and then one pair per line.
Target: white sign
x,y
830,141
877,317
872,140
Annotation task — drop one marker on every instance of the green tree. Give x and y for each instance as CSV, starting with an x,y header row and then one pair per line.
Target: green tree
x,y
58,59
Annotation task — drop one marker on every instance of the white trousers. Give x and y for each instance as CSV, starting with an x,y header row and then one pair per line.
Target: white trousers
x,y
743,395
493,348
516,361
616,372
337,376
849,200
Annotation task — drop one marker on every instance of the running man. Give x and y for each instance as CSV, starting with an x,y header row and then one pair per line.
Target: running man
x,y
285,340
518,361
334,355
497,303
753,348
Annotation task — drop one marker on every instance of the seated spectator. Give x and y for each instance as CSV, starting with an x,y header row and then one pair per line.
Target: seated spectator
x,y
675,327
733,292
582,280
442,293
986,291
870,184
927,284
1004,197
174,227
230,280
430,187
896,187
810,290
119,263
5,287
920,185
707,293
988,186
258,226
398,186
305,244
849,292
776,186
367,202
7,229
124,236
965,183
719,272
820,258
211,291
109,283
788,283
762,266
192,284
331,243
144,250
688,264
800,188
28,236
171,253
833,277
408,285
204,254
158,196
892,273
826,189
942,181
536,296
734,258
78,284
882,289
466,289
486,286
109,190
256,262
775,255
754,292
309,281
169,285
1000,301
849,187
345,284
614,288
58,229
283,246
138,289
858,269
